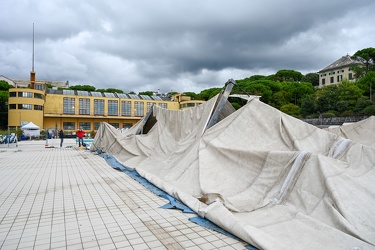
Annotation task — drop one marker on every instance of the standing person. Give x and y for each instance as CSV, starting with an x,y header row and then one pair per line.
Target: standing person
x,y
61,135
80,134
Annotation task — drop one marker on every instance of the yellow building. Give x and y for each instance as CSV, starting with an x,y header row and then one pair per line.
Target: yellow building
x,y
337,71
53,109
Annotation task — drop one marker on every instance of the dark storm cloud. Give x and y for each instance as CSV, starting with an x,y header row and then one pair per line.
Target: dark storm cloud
x,y
179,45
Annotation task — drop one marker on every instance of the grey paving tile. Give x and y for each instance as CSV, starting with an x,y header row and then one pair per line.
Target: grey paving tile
x,y
71,199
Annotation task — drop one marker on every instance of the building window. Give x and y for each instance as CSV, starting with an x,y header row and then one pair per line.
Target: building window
x,y
38,107
138,108
127,125
12,106
69,125
69,105
149,105
331,80
163,105
339,78
12,94
25,94
350,76
115,125
39,86
96,125
98,107
84,106
112,107
37,95
187,105
126,108
323,81
85,125
25,106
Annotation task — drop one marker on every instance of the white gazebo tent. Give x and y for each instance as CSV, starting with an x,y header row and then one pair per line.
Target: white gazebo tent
x,y
31,129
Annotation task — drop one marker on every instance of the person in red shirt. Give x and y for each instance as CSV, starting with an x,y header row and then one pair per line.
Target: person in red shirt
x,y
80,133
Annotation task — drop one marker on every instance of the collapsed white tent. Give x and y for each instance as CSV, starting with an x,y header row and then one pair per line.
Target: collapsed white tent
x,y
362,131
266,177
31,129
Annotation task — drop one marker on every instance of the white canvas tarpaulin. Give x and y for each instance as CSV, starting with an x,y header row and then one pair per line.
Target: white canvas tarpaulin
x,y
268,178
362,131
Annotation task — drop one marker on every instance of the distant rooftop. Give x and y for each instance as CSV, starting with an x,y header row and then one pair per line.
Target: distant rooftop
x,y
106,94
342,62
26,82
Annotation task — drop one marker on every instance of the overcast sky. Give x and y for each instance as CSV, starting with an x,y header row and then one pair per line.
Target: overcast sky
x,y
177,45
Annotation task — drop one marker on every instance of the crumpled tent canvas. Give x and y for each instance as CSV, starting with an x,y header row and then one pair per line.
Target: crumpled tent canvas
x,y
266,177
362,131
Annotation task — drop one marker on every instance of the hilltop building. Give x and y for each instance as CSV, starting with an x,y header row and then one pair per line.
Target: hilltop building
x,y
337,71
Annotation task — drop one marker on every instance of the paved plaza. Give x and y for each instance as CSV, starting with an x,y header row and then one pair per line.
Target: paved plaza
x,y
70,198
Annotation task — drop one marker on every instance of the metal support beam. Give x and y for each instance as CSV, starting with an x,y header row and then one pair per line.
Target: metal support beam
x,y
144,121
219,107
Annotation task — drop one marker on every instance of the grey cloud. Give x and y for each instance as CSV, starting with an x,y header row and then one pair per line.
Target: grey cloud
x,y
139,45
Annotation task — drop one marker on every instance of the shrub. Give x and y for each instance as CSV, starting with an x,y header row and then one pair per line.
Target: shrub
x,y
370,110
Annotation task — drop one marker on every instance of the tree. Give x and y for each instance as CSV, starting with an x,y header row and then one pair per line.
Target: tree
x,y
191,94
348,92
342,106
113,90
288,75
82,87
208,93
326,98
149,93
370,110
4,85
367,84
296,90
257,77
236,105
308,105
291,109
110,90
312,78
362,103
4,95
366,56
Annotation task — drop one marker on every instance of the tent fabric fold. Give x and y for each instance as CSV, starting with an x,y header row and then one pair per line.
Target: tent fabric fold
x,y
266,177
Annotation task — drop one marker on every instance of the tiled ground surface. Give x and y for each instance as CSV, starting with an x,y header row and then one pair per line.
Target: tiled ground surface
x,y
67,198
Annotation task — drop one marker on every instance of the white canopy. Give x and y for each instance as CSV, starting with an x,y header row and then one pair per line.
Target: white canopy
x,y
31,129
266,177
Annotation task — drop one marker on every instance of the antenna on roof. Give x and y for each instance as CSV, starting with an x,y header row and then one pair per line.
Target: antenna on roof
x,y
32,69
32,73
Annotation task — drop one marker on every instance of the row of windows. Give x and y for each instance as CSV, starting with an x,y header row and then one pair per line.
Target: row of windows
x,y
338,72
339,78
189,104
333,72
113,107
86,126
25,106
25,95
39,86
